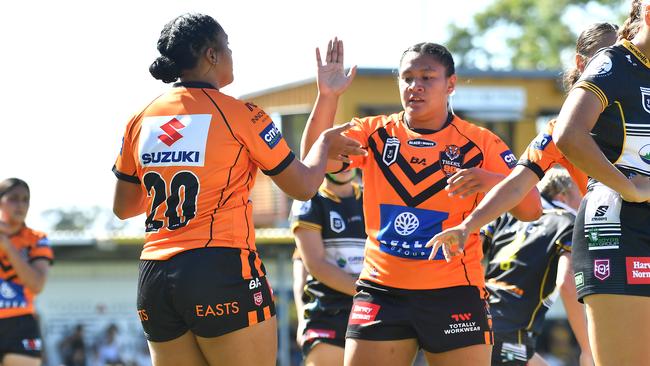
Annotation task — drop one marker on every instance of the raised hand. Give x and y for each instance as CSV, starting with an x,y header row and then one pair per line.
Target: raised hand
x,y
340,146
641,192
451,240
331,78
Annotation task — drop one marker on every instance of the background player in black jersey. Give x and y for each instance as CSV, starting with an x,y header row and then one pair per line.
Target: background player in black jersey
x,y
330,235
604,129
526,263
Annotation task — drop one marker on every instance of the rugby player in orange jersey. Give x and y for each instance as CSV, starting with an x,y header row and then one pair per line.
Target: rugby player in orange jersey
x,y
539,157
405,301
189,160
25,259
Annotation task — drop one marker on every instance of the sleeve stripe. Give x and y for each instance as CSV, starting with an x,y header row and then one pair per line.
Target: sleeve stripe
x,y
125,177
532,166
49,259
282,166
305,225
594,89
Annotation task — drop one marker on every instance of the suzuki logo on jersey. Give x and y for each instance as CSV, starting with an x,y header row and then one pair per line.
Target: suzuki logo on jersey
x,y
336,222
391,149
601,269
161,143
405,230
271,135
171,132
645,98
509,158
451,160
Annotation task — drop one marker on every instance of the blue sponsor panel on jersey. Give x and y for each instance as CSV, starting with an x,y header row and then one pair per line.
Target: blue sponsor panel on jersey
x,y
404,231
271,135
509,158
12,295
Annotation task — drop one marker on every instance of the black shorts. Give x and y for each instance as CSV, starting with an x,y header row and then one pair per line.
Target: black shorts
x,y
209,291
441,320
513,349
20,335
324,327
611,245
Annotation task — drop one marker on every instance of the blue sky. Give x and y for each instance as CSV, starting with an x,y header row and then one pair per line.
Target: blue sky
x,y
76,70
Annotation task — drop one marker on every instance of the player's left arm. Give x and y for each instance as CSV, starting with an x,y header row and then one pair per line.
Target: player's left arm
x,y
575,311
32,273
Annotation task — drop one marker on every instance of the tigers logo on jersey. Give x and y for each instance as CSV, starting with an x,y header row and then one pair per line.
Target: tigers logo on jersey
x,y
645,98
391,149
451,160
174,140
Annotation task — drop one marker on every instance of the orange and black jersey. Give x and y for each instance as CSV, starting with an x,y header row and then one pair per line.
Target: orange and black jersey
x,y
195,151
405,203
620,77
542,154
15,298
522,262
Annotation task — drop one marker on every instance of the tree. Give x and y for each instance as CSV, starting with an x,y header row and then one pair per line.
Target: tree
x,y
535,33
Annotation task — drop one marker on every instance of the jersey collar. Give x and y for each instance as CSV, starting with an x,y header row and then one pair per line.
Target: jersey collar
x,y
427,131
636,52
334,197
194,84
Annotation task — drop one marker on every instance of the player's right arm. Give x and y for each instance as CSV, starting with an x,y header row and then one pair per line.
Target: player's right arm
x,y
129,199
332,82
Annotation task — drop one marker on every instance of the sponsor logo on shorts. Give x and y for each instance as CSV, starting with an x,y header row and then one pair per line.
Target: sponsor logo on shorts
x,y
580,279
254,283
217,310
600,211
601,269
451,160
461,324
421,143
638,270
142,314
33,344
509,158
319,333
598,241
271,135
391,149
258,298
363,312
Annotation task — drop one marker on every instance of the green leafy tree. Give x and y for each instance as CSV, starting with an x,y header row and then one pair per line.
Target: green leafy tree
x,y
524,34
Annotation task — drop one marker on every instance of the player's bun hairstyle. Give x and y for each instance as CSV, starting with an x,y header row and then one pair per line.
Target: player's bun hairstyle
x,y
438,52
589,41
181,43
8,184
555,181
633,22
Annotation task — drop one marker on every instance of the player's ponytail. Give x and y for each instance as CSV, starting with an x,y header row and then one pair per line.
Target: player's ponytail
x,y
590,40
8,184
633,22
181,43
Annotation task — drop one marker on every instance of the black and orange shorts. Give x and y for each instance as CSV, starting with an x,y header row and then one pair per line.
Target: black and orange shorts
x,y
440,320
208,291
20,335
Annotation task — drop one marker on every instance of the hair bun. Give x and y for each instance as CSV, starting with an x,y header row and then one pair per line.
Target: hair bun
x,y
165,69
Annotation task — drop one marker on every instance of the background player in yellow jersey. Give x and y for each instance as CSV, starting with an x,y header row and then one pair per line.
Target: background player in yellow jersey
x,y
604,130
405,301
25,259
189,161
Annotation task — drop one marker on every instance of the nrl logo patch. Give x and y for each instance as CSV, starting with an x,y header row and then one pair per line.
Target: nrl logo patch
x,y
645,98
391,149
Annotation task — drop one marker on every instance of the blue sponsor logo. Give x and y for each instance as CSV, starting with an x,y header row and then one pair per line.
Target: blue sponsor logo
x,y
509,158
271,135
12,295
170,157
405,231
644,154
541,141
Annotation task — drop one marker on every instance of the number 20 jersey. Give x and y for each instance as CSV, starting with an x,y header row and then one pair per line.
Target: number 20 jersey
x,y
406,204
196,152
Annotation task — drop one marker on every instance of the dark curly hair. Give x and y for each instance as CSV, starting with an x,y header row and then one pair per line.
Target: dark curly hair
x,y
180,45
633,22
588,43
438,52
